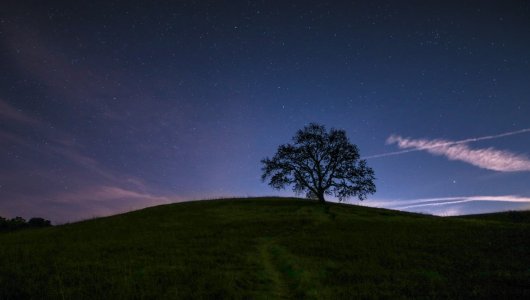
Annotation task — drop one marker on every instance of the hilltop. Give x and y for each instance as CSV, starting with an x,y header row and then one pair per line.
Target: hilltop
x,y
268,248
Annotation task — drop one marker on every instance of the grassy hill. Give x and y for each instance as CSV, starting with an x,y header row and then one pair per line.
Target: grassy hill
x,y
507,216
268,248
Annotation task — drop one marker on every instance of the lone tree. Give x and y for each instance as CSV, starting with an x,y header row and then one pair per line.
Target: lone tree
x,y
320,163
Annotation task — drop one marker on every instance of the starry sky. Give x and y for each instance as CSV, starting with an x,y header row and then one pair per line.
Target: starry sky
x,y
110,106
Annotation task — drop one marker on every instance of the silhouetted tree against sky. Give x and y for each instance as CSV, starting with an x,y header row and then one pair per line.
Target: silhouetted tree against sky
x,y
320,163
20,223
39,222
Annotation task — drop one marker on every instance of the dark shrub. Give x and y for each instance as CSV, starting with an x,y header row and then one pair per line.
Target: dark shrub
x,y
16,223
39,222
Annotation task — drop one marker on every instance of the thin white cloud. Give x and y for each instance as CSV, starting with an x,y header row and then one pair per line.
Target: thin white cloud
x,y
454,200
488,158
392,139
446,206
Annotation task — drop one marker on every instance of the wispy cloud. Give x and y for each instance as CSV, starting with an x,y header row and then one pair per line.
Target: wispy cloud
x,y
7,111
455,200
58,179
87,201
392,138
488,158
447,205
111,193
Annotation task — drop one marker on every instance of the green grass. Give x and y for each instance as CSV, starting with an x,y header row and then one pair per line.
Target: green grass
x,y
268,248
507,216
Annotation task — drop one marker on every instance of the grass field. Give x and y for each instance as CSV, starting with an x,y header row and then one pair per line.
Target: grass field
x,y
269,248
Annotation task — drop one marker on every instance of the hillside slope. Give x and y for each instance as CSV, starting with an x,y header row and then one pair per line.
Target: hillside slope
x,y
506,216
267,248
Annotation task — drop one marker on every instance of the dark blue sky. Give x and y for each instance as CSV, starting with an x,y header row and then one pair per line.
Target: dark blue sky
x,y
110,106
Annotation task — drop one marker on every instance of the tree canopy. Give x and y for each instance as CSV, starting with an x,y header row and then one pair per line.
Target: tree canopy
x,y
20,223
320,163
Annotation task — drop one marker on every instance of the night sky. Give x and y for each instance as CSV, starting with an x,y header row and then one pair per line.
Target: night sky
x,y
111,106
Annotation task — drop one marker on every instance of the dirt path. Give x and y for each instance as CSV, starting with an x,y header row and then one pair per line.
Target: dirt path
x,y
279,286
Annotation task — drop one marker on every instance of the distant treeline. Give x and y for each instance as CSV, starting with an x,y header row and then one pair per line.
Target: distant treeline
x,y
20,223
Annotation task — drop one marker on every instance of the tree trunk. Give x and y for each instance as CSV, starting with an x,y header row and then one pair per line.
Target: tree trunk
x,y
320,196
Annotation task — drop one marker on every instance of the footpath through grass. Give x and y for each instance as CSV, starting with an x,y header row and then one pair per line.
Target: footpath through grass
x,y
268,248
